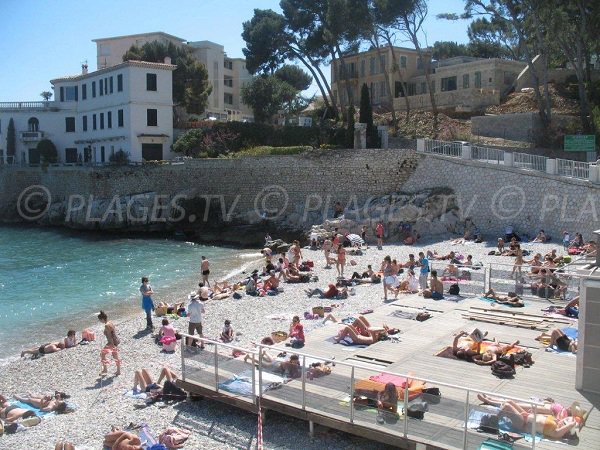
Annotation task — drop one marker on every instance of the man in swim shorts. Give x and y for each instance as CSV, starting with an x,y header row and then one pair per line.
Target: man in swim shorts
x,y
204,267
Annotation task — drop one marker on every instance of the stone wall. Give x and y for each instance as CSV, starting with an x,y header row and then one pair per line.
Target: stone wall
x,y
298,191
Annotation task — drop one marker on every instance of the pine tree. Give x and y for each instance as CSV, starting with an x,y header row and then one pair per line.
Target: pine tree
x,y
366,116
11,139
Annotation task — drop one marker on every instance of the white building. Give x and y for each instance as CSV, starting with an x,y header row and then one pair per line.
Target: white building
x,y
128,106
227,75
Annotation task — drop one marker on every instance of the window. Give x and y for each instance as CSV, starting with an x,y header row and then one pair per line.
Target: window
x,y
70,124
93,121
33,124
102,121
466,81
228,81
93,89
101,87
228,64
477,79
68,94
109,119
70,155
106,86
448,84
382,63
152,117
120,118
362,67
83,91
403,62
228,99
372,66
119,82
151,82
84,123
111,84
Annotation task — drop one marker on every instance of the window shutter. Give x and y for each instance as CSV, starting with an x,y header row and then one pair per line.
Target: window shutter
x,y
62,94
76,93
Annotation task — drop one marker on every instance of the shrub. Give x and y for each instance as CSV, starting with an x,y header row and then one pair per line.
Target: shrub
x,y
272,151
120,157
48,151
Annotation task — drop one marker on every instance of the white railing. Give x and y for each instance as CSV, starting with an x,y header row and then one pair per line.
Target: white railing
x,y
24,105
530,162
443,148
201,368
575,169
487,154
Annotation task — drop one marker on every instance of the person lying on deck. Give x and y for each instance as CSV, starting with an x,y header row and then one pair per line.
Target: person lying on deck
x,y
550,407
512,300
546,423
468,348
492,352
118,439
143,379
557,338
361,332
331,292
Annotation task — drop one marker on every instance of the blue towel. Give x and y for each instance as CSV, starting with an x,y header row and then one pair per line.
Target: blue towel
x,y
37,411
572,333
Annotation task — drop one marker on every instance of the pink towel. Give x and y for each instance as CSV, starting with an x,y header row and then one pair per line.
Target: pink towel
x,y
387,378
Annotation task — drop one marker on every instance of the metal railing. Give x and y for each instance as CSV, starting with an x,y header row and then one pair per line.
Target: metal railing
x,y
443,148
307,401
575,169
487,154
530,162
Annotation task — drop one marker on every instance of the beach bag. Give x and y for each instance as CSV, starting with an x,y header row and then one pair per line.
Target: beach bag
x,y
88,335
523,358
454,289
237,295
502,370
432,395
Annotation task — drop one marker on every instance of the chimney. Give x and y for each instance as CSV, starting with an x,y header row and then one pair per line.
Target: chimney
x,y
167,60
84,69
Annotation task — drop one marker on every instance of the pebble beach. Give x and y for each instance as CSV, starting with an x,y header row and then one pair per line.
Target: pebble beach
x,y
100,401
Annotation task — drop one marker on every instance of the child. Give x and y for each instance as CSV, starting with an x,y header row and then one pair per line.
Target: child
x,y
566,240
227,333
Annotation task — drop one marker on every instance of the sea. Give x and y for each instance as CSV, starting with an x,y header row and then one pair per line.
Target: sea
x,y
53,280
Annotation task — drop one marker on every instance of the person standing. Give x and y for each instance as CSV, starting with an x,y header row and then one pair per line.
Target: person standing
x,y
147,303
379,233
566,240
327,245
195,312
204,267
112,344
424,272
341,261
363,235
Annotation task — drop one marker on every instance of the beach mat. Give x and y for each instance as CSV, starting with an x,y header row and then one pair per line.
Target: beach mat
x,y
446,352
491,301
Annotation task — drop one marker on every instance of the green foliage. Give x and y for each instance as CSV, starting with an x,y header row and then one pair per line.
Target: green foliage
x,y
48,151
294,76
191,86
11,138
494,38
189,143
266,95
46,95
267,43
272,151
449,49
350,127
120,157
366,116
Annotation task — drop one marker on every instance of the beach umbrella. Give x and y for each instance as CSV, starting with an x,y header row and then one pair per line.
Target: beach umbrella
x,y
355,239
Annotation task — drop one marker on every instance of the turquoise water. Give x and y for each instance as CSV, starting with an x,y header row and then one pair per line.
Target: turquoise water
x,y
51,280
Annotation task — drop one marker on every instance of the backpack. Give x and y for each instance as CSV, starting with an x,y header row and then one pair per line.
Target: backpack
x,y
523,358
502,370
454,289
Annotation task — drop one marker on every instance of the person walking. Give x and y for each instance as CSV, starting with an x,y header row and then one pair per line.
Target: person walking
x,y
424,272
204,267
379,233
195,312
147,303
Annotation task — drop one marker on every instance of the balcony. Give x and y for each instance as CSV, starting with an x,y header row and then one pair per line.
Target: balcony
x,y
19,106
32,136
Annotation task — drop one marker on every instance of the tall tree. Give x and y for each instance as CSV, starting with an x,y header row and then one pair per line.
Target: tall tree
x,y
11,139
493,38
266,95
448,49
366,116
191,86
269,43
48,151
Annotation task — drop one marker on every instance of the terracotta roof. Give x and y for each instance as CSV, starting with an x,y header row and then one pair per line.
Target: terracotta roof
x,y
147,64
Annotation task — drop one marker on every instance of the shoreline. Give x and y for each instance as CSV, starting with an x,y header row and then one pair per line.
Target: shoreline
x,y
75,371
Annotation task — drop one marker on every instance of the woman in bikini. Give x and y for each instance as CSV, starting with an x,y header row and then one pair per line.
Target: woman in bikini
x,y
361,332
341,261
388,275
45,403
12,413
518,262
143,379
387,400
550,407
112,343
547,423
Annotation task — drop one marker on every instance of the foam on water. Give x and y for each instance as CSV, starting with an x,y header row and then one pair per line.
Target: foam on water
x,y
51,280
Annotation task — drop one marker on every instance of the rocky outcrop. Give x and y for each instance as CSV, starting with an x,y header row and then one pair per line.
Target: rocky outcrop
x,y
429,212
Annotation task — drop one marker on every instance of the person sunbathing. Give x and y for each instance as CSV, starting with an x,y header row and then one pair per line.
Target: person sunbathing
x,y
467,348
143,379
466,237
492,352
500,245
450,271
557,338
541,237
12,413
410,284
361,331
550,407
45,403
547,423
512,299
450,256
167,308
119,439
44,349
535,263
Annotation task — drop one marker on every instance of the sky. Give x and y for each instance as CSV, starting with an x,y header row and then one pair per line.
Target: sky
x,y
42,40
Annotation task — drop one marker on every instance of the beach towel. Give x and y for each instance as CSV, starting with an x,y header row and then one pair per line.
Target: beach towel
x,y
491,300
370,388
137,394
242,384
446,352
147,438
453,298
38,412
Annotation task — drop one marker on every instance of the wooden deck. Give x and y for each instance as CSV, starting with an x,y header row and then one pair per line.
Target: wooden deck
x,y
325,400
